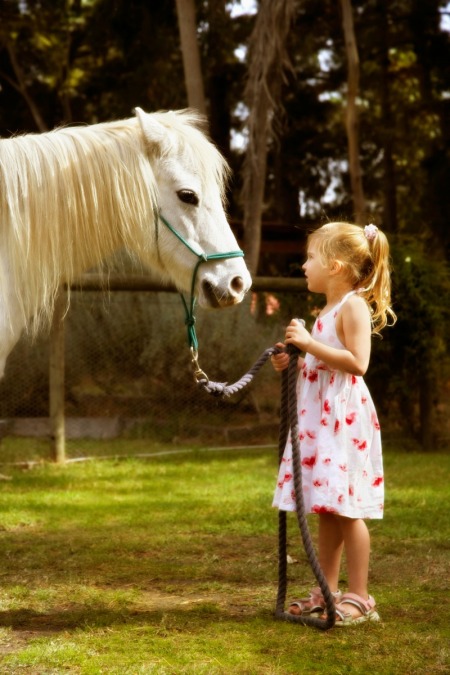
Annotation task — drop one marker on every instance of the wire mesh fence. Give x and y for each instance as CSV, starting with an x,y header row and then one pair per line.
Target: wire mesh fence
x,y
128,371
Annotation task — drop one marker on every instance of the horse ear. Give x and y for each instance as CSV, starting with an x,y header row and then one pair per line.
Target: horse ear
x,y
154,132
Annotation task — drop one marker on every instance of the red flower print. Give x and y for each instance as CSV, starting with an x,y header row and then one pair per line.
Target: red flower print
x,y
322,509
311,434
304,373
303,411
317,483
332,378
343,467
327,460
319,326
351,490
375,422
280,483
326,406
377,481
350,418
301,436
361,445
337,426
354,379
309,462
287,477
341,499
363,399
324,422
312,377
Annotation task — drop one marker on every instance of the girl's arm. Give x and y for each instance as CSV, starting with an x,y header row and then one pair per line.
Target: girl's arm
x,y
354,330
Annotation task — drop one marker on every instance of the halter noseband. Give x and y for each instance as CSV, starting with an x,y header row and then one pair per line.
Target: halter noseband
x,y
189,308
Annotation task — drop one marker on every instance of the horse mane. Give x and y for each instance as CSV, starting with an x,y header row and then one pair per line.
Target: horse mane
x,y
71,197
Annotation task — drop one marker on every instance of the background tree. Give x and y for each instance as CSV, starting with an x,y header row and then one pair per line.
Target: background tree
x,y
351,115
191,55
268,61
86,62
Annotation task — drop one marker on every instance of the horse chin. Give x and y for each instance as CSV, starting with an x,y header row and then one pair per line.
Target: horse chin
x,y
216,297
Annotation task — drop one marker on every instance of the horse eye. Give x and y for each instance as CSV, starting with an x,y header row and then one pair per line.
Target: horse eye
x,y
188,197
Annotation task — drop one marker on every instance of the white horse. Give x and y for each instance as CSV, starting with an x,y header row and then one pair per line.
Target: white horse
x,y
71,197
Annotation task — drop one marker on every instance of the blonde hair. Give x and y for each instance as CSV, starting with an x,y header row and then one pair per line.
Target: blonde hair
x,y
365,259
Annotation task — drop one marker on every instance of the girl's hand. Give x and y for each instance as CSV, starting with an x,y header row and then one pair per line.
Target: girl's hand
x,y
280,361
297,335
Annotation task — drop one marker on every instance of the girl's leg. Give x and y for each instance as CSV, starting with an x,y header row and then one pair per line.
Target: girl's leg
x,y
331,544
357,551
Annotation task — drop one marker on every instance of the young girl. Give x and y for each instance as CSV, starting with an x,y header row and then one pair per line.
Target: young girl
x,y
342,470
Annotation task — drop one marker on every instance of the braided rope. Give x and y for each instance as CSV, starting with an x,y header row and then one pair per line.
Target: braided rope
x,y
225,389
288,421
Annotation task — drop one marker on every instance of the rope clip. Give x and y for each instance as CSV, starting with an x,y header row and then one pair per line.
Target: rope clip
x,y
199,374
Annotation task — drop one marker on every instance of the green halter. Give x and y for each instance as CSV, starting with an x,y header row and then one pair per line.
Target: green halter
x,y
189,307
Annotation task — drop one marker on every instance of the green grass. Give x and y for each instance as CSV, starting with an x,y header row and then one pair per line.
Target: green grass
x,y
169,565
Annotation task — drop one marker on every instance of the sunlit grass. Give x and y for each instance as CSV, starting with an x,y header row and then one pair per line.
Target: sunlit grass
x,y
169,565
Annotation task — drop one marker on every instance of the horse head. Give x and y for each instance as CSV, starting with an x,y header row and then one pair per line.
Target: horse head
x,y
191,176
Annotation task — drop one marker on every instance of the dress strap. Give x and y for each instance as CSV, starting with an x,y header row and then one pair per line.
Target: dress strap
x,y
344,299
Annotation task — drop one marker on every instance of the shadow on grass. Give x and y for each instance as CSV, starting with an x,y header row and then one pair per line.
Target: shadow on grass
x,y
80,617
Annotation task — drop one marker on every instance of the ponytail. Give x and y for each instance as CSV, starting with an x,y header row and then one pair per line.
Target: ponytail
x,y
377,284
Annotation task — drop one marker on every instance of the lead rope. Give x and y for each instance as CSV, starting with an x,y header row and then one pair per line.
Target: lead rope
x,y
288,422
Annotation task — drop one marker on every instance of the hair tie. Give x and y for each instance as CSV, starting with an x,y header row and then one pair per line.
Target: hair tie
x,y
370,232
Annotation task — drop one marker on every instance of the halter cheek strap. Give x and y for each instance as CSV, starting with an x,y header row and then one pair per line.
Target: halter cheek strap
x,y
189,308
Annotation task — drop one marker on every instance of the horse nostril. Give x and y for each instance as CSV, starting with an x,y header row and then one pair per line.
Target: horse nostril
x,y
237,284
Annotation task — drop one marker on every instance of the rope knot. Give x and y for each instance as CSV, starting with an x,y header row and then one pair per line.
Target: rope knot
x,y
190,321
214,388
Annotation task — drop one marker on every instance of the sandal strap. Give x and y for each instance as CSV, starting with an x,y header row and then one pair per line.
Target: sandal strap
x,y
364,606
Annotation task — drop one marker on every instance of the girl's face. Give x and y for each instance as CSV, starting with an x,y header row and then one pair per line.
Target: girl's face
x,y
316,273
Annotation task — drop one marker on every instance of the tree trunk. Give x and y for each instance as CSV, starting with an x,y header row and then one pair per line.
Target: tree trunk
x,y
191,55
218,76
21,87
268,62
389,177
352,121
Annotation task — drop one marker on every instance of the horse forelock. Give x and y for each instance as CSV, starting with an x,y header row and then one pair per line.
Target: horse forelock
x,y
187,128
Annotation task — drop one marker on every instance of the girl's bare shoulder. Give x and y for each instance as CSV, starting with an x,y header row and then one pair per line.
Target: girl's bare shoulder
x,y
355,308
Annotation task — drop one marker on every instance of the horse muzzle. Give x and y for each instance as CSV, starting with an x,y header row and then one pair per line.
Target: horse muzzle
x,y
220,294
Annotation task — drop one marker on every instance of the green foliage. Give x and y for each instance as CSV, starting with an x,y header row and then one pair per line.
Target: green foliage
x,y
415,351
90,61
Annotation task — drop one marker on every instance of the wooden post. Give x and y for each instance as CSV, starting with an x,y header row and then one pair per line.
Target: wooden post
x,y
56,381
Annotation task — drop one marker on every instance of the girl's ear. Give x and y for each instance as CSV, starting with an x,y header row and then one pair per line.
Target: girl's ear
x,y
336,267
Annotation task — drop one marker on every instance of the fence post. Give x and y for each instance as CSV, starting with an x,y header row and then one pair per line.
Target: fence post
x,y
56,381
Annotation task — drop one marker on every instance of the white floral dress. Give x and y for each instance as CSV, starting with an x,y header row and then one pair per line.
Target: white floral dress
x,y
339,433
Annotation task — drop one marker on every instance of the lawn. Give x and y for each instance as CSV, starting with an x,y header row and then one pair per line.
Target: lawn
x,y
168,564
